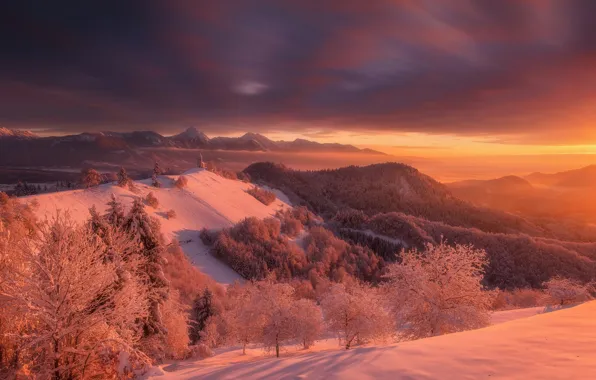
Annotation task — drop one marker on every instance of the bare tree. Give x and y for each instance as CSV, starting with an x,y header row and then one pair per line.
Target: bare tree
x,y
439,291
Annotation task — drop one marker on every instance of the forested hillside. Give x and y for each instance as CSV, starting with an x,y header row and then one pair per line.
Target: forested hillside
x,y
393,187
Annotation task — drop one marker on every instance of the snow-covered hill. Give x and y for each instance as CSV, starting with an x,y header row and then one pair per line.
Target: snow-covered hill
x,y
557,345
208,201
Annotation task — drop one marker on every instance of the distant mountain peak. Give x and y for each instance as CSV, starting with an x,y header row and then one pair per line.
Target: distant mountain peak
x,y
7,132
191,133
252,135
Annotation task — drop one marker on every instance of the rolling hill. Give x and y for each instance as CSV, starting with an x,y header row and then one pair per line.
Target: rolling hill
x,y
577,178
209,201
564,196
382,188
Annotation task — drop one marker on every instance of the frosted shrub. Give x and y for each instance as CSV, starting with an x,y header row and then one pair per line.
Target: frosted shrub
x,y
90,178
171,214
519,299
181,182
151,200
264,196
564,291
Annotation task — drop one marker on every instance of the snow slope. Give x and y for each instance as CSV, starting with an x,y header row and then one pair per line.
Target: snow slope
x,y
511,315
558,345
208,201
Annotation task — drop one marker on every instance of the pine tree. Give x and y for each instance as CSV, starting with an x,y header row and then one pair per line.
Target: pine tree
x,y
115,213
201,311
156,172
97,223
123,179
147,230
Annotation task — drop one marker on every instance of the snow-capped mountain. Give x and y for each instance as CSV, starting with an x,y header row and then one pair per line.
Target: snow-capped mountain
x,y
23,148
191,137
16,133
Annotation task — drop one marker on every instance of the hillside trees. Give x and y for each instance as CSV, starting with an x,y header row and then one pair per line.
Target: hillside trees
x,y
255,248
269,313
439,291
332,257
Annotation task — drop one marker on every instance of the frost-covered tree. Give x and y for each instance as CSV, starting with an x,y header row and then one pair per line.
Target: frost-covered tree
x,y
76,313
564,291
154,178
275,303
210,335
115,215
175,317
98,223
307,320
146,230
439,291
90,178
123,178
202,310
243,320
355,312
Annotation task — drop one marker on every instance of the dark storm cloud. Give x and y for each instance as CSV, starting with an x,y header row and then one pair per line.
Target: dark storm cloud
x,y
468,67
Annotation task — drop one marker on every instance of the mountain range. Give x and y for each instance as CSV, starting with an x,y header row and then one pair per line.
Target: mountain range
x,y
191,138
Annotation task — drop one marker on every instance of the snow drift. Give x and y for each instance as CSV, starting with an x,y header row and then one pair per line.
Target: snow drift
x,y
208,201
558,345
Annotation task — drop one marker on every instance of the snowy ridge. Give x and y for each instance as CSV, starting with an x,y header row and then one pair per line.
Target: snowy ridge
x,y
557,345
208,201
16,133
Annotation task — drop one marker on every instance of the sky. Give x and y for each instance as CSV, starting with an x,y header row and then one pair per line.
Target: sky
x,y
425,77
